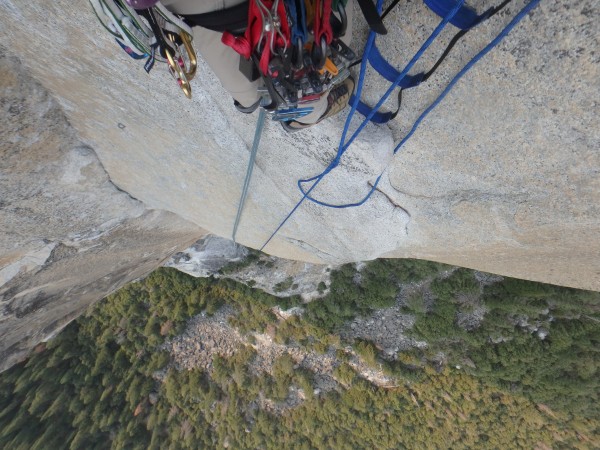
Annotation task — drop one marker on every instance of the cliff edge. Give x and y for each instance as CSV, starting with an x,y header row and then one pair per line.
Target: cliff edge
x,y
113,170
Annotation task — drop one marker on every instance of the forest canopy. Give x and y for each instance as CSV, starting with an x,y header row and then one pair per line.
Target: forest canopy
x,y
106,381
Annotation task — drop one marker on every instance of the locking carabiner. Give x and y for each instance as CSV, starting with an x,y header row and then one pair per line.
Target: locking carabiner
x,y
190,73
319,54
186,40
341,9
176,68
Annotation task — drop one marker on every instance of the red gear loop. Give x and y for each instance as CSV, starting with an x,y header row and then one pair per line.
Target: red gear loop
x,y
245,45
322,25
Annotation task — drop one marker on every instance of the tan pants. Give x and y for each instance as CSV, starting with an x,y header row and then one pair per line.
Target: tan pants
x,y
224,61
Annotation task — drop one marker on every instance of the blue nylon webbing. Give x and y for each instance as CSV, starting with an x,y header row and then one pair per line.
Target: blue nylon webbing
x,y
302,20
389,72
298,18
465,18
378,117
507,29
130,52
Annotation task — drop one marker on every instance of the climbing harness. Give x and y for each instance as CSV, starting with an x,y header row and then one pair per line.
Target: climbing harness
x,y
153,33
454,13
276,47
294,46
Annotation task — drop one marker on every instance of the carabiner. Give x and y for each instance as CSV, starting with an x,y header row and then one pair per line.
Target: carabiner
x,y
343,18
298,55
186,39
338,47
190,73
176,69
330,67
319,54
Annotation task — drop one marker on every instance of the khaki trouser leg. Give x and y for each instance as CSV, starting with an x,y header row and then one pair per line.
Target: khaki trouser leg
x,y
224,61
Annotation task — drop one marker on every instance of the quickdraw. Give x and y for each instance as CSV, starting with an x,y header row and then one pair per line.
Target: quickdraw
x,y
293,45
322,31
297,15
153,33
267,32
296,72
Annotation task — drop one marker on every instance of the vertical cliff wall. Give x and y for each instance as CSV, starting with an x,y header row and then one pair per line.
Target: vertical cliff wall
x,y
106,170
503,176
68,236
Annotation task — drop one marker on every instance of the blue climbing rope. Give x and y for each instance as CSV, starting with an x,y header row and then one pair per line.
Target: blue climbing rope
x,y
526,10
343,145
257,135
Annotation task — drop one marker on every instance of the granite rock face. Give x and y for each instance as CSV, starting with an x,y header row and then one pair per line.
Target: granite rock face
x,y
503,176
207,256
222,258
68,235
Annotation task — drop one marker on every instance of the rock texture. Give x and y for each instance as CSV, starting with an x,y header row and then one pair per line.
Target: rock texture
x,y
502,177
68,235
207,256
219,257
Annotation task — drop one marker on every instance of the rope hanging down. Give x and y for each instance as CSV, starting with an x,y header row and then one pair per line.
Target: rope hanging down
x,y
257,135
306,194
297,76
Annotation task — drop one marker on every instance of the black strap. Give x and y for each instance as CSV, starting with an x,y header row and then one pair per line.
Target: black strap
x,y
336,26
489,13
163,46
372,16
389,9
234,19
395,113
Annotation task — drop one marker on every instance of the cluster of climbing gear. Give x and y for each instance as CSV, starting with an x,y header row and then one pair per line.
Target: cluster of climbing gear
x,y
145,29
451,11
295,47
